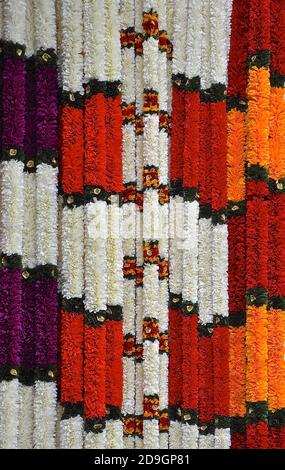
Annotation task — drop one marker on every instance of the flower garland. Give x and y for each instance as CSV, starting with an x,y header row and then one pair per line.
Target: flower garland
x,y
103,290
176,224
236,116
276,223
205,245
32,340
190,241
96,229
46,222
257,156
212,245
150,226
71,225
220,20
12,213
114,333
236,225
163,87
139,124
129,217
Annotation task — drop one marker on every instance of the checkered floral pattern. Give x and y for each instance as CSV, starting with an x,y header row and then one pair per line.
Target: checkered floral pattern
x,y
142,221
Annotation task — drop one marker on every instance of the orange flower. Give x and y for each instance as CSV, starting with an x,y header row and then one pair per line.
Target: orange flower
x,y
276,363
277,134
256,349
258,93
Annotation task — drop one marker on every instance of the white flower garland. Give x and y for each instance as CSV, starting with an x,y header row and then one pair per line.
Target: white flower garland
x,y
129,168
71,433
206,45
151,138
95,441
219,40
194,39
72,237
163,87
46,181
14,11
59,413
170,28
190,436
29,225
94,39
205,271
114,256
220,270
179,36
206,441
151,215
45,25
44,415
26,417
222,438
112,40
114,434
175,435
190,252
150,230
228,10
128,387
9,412
127,11
139,311
30,28
71,45
12,210
139,97
96,230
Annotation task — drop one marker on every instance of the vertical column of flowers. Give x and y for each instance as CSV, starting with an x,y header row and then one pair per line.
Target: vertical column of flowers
x,y
12,210
163,88
236,117
220,14
176,223
44,274
26,386
257,156
139,96
114,323
150,227
191,216
276,280
71,223
205,243
129,218
96,224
